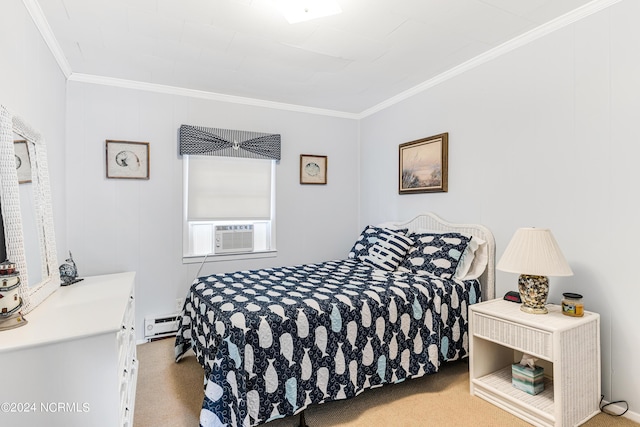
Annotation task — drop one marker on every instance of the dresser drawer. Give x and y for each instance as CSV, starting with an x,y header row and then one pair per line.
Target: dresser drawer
x,y
126,348
517,336
129,315
128,394
128,365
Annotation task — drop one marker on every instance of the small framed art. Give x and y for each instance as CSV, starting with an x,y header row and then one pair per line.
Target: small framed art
x,y
127,159
313,169
23,162
423,165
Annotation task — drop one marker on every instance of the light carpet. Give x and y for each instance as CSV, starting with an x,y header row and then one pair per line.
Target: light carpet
x,y
170,394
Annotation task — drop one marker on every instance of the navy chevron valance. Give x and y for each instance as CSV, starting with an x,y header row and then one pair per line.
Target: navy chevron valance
x,y
229,143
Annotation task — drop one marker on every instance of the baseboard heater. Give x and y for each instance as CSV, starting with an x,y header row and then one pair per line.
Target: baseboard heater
x,y
159,327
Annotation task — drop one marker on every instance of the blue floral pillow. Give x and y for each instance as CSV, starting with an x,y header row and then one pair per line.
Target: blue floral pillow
x,y
437,254
381,247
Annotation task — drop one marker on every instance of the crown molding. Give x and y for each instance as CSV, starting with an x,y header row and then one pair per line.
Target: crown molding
x,y
194,93
567,19
41,23
538,32
33,7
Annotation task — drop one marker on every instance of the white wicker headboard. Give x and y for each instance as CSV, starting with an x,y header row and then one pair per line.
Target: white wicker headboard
x,y
430,221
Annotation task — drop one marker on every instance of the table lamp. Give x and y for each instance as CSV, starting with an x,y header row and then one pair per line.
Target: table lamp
x,y
534,254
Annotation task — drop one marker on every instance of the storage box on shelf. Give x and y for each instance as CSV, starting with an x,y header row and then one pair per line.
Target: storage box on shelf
x,y
526,378
568,348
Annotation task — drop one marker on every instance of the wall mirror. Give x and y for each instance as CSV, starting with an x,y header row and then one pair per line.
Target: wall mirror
x,y
25,201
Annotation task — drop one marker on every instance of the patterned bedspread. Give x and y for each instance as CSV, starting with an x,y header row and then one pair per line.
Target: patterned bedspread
x,y
274,341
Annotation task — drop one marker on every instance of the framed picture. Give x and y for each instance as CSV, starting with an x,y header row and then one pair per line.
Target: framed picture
x,y
23,162
127,160
423,165
313,169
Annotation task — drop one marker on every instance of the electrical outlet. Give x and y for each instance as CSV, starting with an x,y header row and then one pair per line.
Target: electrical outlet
x,y
179,304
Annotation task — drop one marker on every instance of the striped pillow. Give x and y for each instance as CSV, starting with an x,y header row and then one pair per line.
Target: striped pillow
x,y
367,238
387,250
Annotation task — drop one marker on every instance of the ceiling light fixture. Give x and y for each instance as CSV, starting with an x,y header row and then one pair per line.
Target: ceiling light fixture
x,y
296,11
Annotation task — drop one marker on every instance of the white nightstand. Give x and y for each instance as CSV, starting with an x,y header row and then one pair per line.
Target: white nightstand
x,y
567,347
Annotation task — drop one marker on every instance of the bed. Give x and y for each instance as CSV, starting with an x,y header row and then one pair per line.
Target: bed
x,y
276,340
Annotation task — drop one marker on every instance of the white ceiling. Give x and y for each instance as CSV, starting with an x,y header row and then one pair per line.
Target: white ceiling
x,y
350,63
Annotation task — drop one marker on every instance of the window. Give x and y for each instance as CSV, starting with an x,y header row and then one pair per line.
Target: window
x,y
229,192
229,206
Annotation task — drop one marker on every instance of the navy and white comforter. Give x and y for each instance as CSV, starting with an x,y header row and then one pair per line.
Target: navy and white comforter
x,y
274,341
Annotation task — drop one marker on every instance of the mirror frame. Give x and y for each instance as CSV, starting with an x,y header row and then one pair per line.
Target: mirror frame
x,y
32,294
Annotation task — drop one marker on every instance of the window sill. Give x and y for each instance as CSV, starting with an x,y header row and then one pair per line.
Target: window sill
x,y
196,259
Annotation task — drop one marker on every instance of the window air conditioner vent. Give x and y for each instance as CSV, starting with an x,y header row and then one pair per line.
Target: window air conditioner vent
x,y
234,238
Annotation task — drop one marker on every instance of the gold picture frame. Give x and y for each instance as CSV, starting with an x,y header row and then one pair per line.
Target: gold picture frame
x,y
313,169
127,159
423,165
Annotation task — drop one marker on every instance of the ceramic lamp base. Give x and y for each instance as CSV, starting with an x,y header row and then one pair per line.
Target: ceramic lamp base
x,y
534,291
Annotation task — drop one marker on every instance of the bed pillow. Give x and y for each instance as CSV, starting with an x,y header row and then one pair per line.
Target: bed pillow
x,y
473,261
393,226
436,254
368,237
381,247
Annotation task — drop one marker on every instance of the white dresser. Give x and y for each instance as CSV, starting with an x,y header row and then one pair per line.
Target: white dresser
x,y
74,363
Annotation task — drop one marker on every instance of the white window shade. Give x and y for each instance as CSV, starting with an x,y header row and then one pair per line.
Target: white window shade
x,y
228,188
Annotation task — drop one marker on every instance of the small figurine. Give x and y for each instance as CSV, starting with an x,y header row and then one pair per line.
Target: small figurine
x,y
7,267
10,301
69,272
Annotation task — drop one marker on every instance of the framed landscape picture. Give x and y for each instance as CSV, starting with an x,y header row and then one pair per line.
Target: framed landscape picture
x,y
423,165
313,169
127,160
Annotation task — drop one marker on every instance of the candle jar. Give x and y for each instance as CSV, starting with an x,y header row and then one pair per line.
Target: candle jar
x,y
572,304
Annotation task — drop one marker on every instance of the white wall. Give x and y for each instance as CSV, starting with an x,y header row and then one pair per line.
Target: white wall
x,y
117,225
543,136
33,87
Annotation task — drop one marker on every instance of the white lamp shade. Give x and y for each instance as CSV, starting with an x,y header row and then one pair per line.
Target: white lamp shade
x,y
534,251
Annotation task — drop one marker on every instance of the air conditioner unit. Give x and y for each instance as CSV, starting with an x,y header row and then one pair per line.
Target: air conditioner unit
x,y
233,238
160,326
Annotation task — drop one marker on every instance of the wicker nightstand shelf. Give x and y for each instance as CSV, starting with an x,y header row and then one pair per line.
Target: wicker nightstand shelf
x,y
567,347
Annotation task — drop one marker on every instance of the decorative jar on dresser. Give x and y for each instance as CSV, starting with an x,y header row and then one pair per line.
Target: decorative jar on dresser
x,y
568,348
74,363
